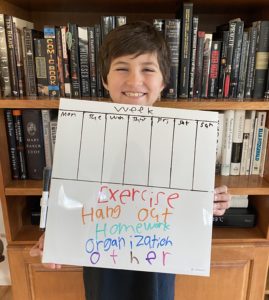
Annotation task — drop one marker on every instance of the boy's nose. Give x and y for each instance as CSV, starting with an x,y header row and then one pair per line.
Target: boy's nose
x,y
134,78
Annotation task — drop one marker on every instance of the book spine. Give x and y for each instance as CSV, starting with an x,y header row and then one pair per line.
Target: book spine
x,y
239,201
253,33
246,140
223,63
159,25
60,67
66,66
20,146
214,69
30,63
172,37
53,131
107,24
20,61
4,65
227,79
41,67
259,132
262,56
14,162
97,36
199,64
251,142
206,64
185,50
10,36
243,67
237,142
264,151
53,81
92,61
84,61
46,118
120,20
228,125
34,143
195,23
238,38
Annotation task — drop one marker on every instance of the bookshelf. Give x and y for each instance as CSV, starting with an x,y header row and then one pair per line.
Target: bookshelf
x,y
240,257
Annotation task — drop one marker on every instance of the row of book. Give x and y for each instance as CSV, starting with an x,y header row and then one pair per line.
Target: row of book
x,y
58,62
230,63
31,135
242,142
62,61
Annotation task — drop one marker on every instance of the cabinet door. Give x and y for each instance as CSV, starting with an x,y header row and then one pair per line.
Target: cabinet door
x,y
237,273
31,281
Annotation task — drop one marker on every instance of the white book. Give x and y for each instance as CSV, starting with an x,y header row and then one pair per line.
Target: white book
x,y
250,142
264,150
228,124
219,142
239,121
239,201
53,130
259,131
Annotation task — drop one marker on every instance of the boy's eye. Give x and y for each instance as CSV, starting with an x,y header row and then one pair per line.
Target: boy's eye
x,y
121,69
148,70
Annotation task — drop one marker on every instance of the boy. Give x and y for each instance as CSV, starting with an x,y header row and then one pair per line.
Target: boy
x,y
135,68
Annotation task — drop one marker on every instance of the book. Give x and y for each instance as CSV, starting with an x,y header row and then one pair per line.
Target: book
x,y
237,141
60,67
257,148
223,62
120,20
243,67
214,70
206,64
83,45
34,143
199,65
107,24
30,69
66,66
264,151
239,201
11,138
41,67
195,22
53,131
185,50
261,63
4,64
228,124
92,61
97,43
51,60
20,145
247,141
172,37
236,217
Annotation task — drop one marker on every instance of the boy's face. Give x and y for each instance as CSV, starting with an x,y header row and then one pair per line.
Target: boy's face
x,y
135,80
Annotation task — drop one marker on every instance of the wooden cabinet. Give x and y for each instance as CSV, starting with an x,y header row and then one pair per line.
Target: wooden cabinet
x,y
240,257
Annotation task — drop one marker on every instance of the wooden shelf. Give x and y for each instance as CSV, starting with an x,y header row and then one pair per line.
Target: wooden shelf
x,y
46,103
238,185
28,234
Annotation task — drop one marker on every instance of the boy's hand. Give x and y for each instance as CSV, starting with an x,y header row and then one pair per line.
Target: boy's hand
x,y
37,250
221,201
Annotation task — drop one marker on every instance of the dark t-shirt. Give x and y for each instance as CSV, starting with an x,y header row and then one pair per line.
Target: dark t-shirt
x,y
111,284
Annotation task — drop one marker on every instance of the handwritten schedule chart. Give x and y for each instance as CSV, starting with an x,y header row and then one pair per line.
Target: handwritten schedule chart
x,y
133,186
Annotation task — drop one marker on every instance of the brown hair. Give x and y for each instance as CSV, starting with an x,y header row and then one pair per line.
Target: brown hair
x,y
134,38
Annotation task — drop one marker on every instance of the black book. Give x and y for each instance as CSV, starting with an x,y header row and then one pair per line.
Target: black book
x,y
97,37
236,217
172,37
92,61
243,67
51,50
206,64
20,145
4,65
72,43
28,39
34,143
195,22
253,33
261,65
199,65
107,24
84,61
214,69
14,161
185,50
66,66
10,35
223,62
238,39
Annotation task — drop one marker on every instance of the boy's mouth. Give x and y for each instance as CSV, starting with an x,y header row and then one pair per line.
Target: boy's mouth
x,y
133,94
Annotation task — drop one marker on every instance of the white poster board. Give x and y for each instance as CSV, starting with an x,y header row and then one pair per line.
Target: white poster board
x,y
132,188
